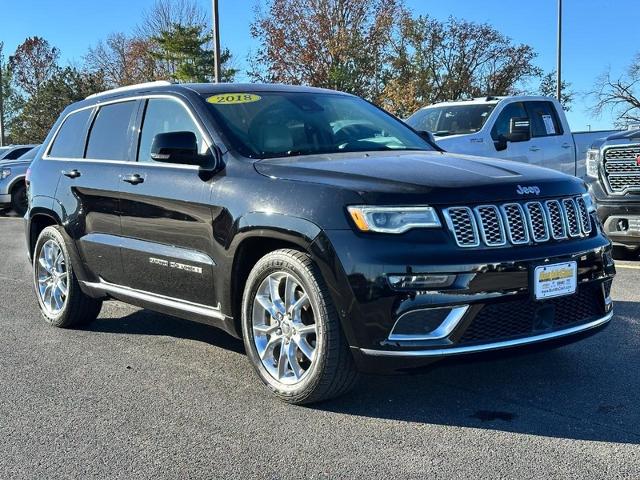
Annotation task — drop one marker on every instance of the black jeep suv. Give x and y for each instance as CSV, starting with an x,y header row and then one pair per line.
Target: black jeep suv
x,y
327,234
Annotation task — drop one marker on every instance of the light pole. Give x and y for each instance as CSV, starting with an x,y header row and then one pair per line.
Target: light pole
x,y
559,65
216,42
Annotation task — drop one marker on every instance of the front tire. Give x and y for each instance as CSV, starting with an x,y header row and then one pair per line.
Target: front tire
x,y
62,303
19,201
291,330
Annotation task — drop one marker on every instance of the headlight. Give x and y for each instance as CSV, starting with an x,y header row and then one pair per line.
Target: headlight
x,y
589,201
393,219
593,160
5,173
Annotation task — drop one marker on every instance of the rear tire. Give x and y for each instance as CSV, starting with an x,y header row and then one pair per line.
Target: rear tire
x,y
291,330
19,201
62,303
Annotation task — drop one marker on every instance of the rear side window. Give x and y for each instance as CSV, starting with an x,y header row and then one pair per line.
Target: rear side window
x,y
544,119
69,142
109,137
18,152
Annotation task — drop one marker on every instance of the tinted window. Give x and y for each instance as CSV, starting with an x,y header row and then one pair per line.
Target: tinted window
x,y
163,115
17,153
513,110
276,124
69,142
544,120
29,155
109,137
451,120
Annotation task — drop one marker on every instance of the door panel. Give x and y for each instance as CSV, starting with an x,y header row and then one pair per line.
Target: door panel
x,y
167,233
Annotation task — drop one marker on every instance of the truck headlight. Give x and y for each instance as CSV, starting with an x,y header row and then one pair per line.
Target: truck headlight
x,y
593,160
393,219
5,173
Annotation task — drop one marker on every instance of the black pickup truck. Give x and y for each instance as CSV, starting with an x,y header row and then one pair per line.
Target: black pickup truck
x,y
328,235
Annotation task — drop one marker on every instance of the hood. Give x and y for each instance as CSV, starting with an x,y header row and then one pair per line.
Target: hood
x,y
15,163
620,138
432,177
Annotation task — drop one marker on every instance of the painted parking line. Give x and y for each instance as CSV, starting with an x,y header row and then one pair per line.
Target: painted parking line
x,y
631,267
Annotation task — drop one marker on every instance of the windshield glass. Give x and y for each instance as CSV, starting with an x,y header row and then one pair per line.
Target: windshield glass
x,y
451,120
278,124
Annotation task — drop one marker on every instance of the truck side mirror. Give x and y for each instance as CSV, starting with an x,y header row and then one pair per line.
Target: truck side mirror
x,y
519,129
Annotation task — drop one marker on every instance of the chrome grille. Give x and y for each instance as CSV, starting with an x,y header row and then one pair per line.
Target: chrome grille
x,y
537,221
571,215
515,223
556,220
463,225
585,218
491,228
519,223
621,168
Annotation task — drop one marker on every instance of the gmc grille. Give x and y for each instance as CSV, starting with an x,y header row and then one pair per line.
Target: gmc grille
x,y
621,169
519,223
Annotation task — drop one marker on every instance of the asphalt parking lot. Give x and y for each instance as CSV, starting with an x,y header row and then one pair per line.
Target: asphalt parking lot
x,y
143,395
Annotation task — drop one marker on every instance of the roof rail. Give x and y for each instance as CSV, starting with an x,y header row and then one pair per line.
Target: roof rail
x,y
137,86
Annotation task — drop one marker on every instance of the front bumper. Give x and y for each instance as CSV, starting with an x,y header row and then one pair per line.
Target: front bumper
x,y
5,199
493,285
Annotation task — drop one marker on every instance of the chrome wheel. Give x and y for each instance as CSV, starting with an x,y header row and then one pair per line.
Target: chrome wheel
x,y
284,328
52,278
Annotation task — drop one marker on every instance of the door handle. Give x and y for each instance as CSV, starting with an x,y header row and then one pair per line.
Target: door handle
x,y
534,148
566,145
71,173
133,179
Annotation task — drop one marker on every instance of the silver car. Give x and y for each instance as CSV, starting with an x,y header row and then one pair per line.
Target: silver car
x,y
13,190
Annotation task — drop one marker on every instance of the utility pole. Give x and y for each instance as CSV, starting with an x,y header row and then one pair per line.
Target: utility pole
x,y
559,66
2,135
216,42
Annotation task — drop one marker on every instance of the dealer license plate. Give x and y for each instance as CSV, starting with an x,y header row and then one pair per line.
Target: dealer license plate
x,y
555,280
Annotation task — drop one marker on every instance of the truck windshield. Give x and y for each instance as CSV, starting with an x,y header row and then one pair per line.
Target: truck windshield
x,y
451,120
279,124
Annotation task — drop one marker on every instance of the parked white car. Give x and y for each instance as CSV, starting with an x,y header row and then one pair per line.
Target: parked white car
x,y
528,129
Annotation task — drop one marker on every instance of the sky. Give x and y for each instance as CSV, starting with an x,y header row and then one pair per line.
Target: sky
x,y
597,35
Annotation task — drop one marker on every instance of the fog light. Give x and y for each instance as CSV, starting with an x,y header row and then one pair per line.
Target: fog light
x,y
427,324
420,282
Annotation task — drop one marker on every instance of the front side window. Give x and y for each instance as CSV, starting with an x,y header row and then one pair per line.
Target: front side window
x,y
164,115
501,128
544,120
451,120
109,137
69,141
278,124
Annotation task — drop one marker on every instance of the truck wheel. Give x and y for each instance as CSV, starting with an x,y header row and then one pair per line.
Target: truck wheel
x,y
291,330
62,303
19,201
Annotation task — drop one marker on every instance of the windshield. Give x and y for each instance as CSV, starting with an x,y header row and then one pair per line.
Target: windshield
x,y
278,124
451,120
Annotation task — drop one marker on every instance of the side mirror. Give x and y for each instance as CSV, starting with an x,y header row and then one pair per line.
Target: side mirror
x,y
176,147
519,129
500,144
429,138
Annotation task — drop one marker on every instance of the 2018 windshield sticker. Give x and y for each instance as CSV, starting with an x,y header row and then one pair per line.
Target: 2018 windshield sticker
x,y
233,98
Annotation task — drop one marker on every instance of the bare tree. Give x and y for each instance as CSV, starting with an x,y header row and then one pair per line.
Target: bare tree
x,y
164,14
122,60
33,63
548,88
620,96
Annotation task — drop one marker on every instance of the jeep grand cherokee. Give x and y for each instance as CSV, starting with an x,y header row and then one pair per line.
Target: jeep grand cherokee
x,y
328,235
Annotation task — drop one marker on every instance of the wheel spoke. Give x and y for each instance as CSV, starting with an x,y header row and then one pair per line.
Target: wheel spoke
x,y
63,287
306,329
57,298
304,347
274,285
293,360
267,304
297,307
283,360
289,292
43,263
271,345
264,329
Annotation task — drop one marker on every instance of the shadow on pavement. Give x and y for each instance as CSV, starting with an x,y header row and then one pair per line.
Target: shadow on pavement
x,y
586,391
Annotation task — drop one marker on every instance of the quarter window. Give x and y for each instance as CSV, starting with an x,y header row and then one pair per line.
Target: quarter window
x,y
109,138
544,120
69,142
164,115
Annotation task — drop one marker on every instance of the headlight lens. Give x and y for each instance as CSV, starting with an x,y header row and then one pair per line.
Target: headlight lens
x,y
589,201
393,219
5,173
593,160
